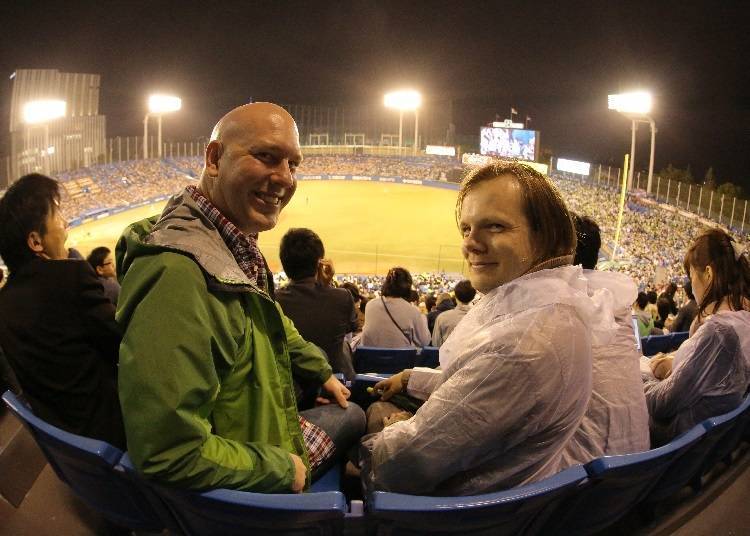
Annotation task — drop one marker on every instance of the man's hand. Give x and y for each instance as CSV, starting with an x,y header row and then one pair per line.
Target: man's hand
x,y
390,386
338,390
300,473
325,272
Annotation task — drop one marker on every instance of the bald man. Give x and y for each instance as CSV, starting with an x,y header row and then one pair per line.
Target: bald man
x,y
208,357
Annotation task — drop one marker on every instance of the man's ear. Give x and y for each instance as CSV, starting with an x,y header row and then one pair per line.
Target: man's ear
x,y
100,271
214,151
34,241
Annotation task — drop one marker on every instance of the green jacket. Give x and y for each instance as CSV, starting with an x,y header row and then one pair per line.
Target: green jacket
x,y
206,361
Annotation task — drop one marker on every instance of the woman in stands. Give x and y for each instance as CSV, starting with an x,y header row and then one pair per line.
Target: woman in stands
x,y
710,372
516,372
390,320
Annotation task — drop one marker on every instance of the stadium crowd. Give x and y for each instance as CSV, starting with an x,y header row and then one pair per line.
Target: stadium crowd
x,y
652,239
214,374
98,188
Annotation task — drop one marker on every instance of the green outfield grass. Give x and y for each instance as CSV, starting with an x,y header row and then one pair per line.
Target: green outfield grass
x,y
367,227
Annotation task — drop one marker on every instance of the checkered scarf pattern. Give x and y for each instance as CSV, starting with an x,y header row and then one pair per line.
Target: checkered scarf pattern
x,y
245,250
244,247
319,445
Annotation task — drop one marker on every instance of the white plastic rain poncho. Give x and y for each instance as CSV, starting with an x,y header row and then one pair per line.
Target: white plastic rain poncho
x,y
514,385
709,377
616,420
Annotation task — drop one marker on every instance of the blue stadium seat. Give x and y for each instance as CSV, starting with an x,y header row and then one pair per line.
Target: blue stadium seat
x,y
731,427
330,481
429,357
229,512
88,467
521,510
723,433
653,344
369,359
618,483
359,387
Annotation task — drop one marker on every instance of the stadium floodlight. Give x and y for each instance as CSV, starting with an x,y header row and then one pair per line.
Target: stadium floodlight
x,y
162,104
636,105
405,99
157,106
636,102
41,111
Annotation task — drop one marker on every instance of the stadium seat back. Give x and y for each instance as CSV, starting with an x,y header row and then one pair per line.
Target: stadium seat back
x,y
369,359
230,512
521,510
359,388
618,483
653,344
88,467
723,433
730,428
429,357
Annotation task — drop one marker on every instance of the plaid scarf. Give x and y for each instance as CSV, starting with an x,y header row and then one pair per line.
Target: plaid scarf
x,y
244,247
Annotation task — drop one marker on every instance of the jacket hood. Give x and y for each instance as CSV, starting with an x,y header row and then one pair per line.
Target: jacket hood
x,y
182,228
565,285
623,288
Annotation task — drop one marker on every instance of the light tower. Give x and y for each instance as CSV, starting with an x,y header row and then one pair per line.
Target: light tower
x,y
157,106
636,106
41,112
407,99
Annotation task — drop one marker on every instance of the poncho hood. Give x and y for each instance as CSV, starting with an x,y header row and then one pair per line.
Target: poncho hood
x,y
565,285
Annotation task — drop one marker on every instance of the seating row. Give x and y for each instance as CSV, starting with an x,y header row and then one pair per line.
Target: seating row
x,y
581,499
653,344
369,359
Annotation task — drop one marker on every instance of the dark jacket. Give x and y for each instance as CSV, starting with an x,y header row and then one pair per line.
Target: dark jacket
x,y
58,332
685,316
323,315
445,305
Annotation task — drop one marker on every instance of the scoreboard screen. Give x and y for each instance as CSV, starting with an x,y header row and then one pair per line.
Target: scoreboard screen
x,y
508,142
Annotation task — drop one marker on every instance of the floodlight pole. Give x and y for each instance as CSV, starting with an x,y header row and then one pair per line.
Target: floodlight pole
x,y
159,152
145,136
632,154
652,124
416,131
400,129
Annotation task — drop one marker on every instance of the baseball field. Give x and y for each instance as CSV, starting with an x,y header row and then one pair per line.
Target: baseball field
x,y
367,227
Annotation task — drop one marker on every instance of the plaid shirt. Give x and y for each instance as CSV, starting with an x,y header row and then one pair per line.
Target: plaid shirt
x,y
245,250
244,247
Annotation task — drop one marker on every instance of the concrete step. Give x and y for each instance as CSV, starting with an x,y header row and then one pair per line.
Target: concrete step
x,y
21,461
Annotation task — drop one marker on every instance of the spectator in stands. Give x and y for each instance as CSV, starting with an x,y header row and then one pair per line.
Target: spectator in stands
x,y
207,358
447,321
390,320
103,264
640,310
668,295
480,428
57,328
359,303
652,307
616,419
444,303
687,312
664,308
430,302
322,314
710,372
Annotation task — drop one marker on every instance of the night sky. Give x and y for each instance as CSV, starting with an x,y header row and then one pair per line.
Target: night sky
x,y
553,61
